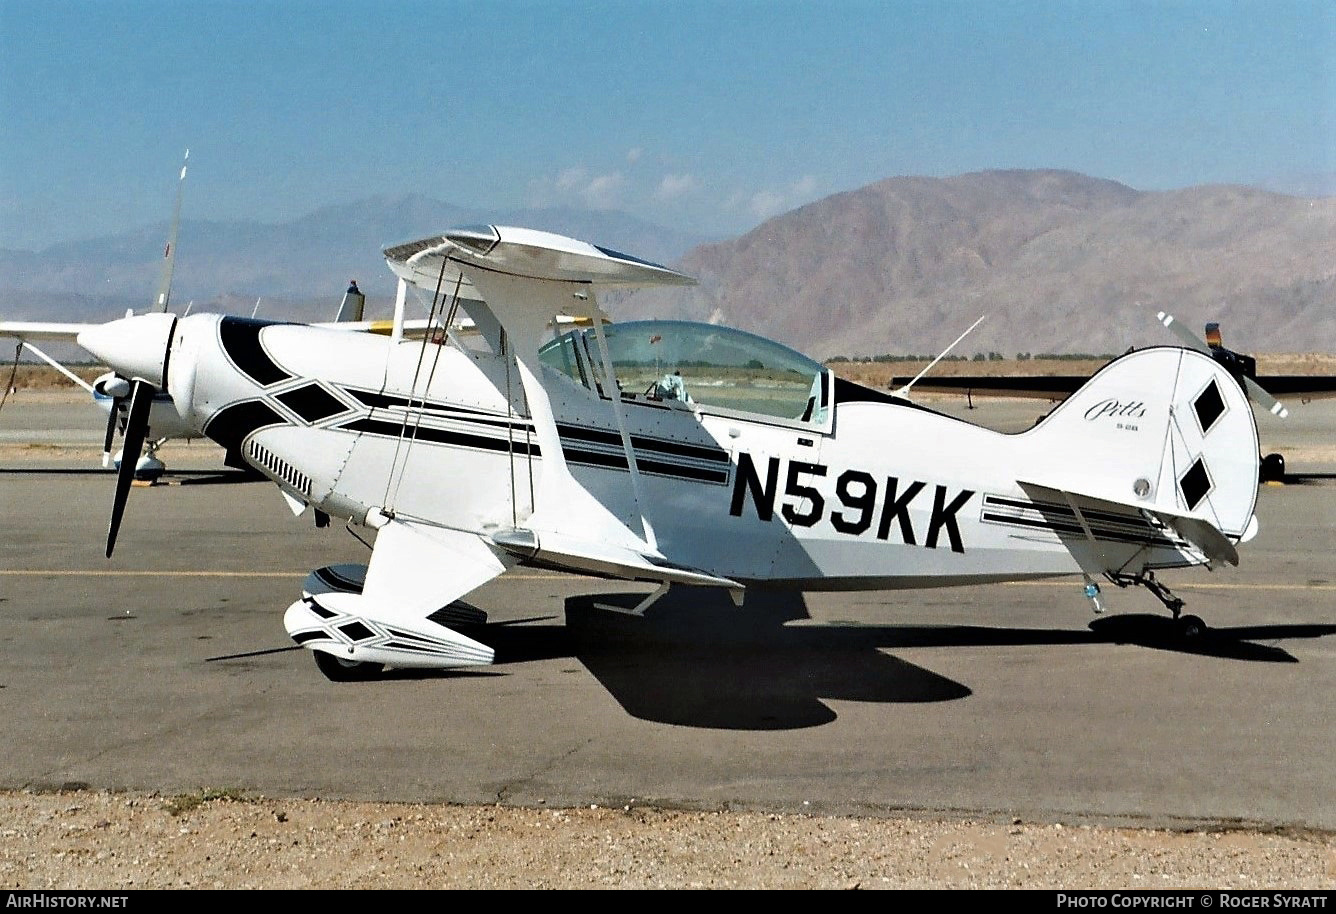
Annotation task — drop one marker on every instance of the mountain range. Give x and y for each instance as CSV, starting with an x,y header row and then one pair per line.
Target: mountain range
x,y
298,269
1057,261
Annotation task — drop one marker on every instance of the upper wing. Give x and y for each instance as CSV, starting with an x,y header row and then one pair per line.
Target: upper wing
x,y
523,281
436,263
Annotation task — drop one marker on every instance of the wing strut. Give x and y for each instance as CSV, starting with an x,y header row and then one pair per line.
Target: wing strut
x,y
615,394
56,365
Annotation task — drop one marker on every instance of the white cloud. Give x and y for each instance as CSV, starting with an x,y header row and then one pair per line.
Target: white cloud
x,y
604,191
633,155
576,186
571,179
766,203
673,186
770,201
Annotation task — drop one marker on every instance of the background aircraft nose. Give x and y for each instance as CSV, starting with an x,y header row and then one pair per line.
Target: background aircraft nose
x,y
133,347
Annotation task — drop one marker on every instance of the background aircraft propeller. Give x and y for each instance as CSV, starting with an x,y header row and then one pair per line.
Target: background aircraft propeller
x,y
118,389
108,439
136,429
1241,366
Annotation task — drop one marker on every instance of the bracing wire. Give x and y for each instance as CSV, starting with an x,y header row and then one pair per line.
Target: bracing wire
x,y
13,373
417,371
431,376
510,426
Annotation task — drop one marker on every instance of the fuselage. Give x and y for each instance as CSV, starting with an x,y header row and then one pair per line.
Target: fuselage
x,y
854,490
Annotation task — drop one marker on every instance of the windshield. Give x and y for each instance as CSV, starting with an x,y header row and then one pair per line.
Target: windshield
x,y
701,364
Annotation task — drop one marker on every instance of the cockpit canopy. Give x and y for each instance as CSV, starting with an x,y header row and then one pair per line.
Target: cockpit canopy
x,y
686,364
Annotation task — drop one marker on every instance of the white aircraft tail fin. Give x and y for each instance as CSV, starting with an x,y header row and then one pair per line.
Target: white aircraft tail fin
x,y
1166,432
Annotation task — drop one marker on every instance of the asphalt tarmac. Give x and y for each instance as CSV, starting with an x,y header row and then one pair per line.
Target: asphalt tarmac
x,y
167,669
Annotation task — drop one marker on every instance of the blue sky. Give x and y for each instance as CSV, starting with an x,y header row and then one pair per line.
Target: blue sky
x,y
705,116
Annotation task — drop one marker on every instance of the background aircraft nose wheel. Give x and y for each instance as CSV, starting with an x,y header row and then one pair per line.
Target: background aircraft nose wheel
x,y
340,669
149,468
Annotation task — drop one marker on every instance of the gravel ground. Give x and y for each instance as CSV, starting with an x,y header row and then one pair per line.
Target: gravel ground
x,y
100,840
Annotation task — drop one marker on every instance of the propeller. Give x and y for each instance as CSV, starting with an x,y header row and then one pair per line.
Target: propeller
x,y
111,431
117,389
1242,367
136,429
138,348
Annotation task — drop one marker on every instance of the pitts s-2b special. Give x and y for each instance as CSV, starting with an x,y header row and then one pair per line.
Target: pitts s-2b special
x,y
669,452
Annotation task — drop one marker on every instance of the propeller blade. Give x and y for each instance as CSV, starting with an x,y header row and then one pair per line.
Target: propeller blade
x,y
1258,393
1255,391
111,430
136,430
164,294
1180,330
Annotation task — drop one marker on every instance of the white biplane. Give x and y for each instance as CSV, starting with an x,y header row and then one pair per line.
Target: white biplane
x,y
672,453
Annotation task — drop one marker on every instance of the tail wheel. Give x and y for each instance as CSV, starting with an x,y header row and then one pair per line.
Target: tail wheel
x,y
1191,627
339,669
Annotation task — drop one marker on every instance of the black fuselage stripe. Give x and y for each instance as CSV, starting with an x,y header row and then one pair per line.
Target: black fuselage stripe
x,y
600,436
1047,508
440,436
378,400
240,339
1075,529
644,465
234,423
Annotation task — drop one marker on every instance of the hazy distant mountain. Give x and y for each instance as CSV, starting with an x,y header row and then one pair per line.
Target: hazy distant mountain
x,y
299,268
1058,261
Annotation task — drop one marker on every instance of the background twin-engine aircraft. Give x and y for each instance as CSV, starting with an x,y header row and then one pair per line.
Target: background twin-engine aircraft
x,y
669,452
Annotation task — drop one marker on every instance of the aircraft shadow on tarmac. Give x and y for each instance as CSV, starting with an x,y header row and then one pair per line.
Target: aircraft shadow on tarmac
x,y
171,478
696,660
1308,479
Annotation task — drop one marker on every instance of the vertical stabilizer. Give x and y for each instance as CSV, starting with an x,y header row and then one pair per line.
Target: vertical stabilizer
x,y
1164,430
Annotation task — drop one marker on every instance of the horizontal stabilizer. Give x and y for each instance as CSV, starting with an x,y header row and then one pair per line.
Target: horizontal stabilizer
x,y
1203,535
1199,532
581,556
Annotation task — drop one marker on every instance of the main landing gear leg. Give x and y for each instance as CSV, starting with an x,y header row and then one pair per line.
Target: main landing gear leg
x,y
639,609
1188,626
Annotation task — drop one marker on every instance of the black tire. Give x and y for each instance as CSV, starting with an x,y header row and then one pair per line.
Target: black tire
x,y
337,669
1273,468
1191,627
